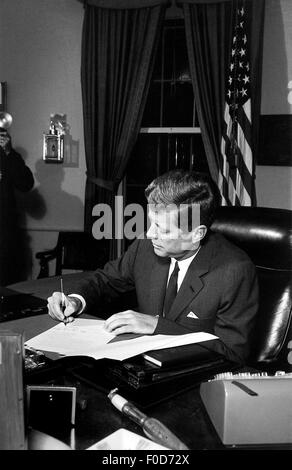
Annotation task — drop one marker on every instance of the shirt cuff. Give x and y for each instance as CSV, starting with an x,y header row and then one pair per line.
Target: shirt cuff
x,y
82,300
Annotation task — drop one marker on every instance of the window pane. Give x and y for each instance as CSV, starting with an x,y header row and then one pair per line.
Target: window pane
x,y
155,154
170,102
199,159
144,161
175,53
178,105
151,116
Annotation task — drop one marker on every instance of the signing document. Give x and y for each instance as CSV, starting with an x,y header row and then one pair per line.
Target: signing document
x,y
85,337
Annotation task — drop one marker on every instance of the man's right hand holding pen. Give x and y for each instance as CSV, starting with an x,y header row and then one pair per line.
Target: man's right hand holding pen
x,y
64,308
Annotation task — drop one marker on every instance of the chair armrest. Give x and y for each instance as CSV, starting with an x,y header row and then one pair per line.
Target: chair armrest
x,y
47,254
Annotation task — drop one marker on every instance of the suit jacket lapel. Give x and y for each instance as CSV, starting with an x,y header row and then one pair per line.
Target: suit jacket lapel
x,y
192,283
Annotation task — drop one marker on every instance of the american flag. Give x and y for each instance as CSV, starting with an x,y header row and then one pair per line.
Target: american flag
x,y
236,172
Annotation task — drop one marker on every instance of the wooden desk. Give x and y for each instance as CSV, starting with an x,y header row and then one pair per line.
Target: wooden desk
x,y
42,288
45,287
184,414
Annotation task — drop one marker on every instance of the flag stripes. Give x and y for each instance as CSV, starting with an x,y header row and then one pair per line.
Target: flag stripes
x,y
236,168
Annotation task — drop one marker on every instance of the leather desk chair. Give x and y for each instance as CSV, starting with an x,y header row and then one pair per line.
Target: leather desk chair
x,y
265,234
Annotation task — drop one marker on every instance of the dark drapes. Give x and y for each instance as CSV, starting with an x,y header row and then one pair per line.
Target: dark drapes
x,y
118,52
207,35
209,41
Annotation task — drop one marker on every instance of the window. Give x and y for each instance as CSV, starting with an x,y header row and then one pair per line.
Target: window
x,y
170,136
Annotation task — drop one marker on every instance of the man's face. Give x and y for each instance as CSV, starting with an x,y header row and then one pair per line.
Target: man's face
x,y
167,238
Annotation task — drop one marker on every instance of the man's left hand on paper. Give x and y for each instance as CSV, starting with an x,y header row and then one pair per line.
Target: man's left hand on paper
x,y
130,321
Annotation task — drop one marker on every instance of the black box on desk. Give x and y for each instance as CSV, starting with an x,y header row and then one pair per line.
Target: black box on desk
x,y
50,406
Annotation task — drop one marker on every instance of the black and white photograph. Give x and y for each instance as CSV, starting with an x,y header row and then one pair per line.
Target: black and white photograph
x,y
145,229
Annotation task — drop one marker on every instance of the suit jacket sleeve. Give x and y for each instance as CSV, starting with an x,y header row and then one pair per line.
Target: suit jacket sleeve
x,y
106,285
237,313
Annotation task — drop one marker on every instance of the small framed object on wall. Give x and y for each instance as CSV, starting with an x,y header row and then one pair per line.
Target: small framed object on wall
x,y
53,142
53,148
275,140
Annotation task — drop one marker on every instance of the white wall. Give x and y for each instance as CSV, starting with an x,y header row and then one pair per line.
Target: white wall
x,y
40,54
274,183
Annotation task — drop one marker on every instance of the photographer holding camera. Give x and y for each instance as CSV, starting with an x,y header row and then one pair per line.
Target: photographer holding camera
x,y
14,174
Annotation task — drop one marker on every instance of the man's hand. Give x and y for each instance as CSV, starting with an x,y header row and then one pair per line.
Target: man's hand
x,y
131,322
63,308
5,142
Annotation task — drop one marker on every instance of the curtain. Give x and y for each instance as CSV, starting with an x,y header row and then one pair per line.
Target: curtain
x,y
230,139
119,43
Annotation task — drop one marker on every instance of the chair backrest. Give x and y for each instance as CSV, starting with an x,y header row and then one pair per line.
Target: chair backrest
x,y
265,234
80,251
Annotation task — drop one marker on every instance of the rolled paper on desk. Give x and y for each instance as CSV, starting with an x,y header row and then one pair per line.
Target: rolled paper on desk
x,y
152,427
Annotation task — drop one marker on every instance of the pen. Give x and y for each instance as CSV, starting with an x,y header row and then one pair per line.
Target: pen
x,y
153,428
63,299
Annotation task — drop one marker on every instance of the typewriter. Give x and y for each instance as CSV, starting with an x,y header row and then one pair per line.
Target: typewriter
x,y
250,408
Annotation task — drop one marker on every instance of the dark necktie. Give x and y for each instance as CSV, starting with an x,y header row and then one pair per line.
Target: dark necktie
x,y
171,290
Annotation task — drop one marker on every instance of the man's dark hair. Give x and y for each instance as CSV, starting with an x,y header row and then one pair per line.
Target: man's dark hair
x,y
185,187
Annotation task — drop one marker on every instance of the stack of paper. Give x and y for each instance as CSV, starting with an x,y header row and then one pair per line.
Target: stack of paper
x,y
85,337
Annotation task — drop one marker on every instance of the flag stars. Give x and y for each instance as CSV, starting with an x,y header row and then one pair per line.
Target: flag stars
x,y
238,78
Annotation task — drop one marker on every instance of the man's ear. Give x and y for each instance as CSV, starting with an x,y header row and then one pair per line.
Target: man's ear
x,y
199,233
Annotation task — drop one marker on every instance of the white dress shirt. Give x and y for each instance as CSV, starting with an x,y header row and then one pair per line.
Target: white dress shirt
x,y
183,265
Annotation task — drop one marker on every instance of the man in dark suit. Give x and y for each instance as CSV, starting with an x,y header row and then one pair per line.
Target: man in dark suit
x,y
215,282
